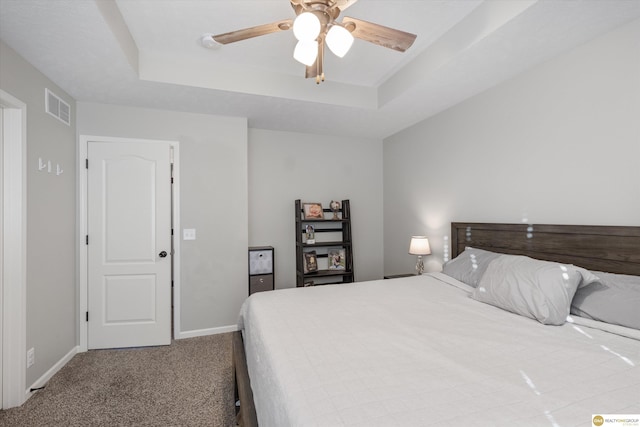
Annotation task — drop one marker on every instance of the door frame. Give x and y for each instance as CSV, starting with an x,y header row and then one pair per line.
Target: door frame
x,y
83,145
14,254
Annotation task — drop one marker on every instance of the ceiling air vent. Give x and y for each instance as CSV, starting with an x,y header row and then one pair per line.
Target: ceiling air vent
x,y
55,106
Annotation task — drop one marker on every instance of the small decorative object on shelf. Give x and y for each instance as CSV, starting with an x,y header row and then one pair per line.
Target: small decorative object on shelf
x,y
336,259
324,247
313,211
310,234
310,262
335,208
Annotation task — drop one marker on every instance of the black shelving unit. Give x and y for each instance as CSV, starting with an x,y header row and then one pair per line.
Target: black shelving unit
x,y
338,236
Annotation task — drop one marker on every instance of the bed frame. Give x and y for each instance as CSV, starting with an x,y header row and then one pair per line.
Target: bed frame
x,y
614,249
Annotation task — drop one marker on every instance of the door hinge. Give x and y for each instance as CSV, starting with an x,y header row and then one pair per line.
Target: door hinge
x,y
86,163
87,316
86,239
172,180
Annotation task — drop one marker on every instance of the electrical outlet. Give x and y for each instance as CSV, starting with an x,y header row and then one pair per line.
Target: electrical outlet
x,y
31,357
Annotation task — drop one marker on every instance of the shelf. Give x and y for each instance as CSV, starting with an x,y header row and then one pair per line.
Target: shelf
x,y
327,273
340,238
324,220
324,244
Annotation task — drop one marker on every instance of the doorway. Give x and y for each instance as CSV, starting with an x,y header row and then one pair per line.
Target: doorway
x,y
126,265
13,127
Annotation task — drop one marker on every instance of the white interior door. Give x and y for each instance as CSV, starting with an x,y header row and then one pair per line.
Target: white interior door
x,y
129,244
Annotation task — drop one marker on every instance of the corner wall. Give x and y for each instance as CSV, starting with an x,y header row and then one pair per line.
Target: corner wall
x,y
285,166
51,204
558,144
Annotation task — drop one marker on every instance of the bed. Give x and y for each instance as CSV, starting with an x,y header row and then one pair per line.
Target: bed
x,y
428,350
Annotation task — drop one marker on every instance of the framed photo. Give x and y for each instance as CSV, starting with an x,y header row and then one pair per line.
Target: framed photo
x,y
310,234
336,259
313,211
310,262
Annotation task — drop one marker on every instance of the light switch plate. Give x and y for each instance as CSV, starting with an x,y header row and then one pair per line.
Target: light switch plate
x,y
189,234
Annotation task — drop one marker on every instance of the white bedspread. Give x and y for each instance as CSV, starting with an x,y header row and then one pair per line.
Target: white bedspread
x,y
418,352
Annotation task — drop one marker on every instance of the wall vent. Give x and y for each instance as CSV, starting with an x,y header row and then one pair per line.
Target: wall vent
x,y
55,106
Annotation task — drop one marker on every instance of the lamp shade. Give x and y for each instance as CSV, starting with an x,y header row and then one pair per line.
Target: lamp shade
x,y
306,27
339,40
419,246
306,52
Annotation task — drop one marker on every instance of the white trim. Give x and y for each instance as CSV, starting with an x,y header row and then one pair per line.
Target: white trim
x,y
14,291
82,231
208,331
44,379
177,238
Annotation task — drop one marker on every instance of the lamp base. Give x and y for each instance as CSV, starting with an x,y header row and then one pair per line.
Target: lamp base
x,y
420,265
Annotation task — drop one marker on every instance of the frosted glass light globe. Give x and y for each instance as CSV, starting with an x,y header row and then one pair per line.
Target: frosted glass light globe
x,y
306,52
306,27
339,40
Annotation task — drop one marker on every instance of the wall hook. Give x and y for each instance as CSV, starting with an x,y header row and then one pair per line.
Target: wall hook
x,y
41,164
58,170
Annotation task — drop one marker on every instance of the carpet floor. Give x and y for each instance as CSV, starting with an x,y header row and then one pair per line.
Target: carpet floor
x,y
188,383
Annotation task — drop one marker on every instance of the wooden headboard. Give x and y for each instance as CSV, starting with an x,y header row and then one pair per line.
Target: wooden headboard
x,y
615,249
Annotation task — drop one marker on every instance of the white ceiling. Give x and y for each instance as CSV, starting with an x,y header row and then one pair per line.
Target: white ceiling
x,y
147,53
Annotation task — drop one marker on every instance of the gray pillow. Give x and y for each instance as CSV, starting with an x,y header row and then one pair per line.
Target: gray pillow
x,y
614,299
469,266
540,290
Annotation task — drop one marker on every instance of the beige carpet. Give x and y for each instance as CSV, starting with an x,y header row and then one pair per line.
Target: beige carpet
x,y
189,383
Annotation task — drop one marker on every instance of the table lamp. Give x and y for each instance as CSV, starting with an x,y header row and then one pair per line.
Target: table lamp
x,y
419,246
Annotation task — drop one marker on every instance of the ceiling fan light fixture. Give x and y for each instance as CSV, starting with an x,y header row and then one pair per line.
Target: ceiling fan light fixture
x,y
339,40
306,52
306,27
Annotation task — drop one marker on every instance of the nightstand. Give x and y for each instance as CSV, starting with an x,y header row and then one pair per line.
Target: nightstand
x,y
261,274
397,276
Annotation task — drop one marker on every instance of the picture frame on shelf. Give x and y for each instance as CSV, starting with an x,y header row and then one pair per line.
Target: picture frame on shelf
x,y
310,234
313,211
336,258
310,262
335,208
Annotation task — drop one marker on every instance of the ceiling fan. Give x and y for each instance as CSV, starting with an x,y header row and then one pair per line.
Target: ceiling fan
x,y
316,24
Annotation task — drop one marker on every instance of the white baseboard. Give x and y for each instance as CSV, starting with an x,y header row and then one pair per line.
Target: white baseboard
x,y
209,331
44,379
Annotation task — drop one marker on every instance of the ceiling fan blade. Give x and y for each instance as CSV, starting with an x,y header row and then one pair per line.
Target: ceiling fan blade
x,y
378,34
311,70
343,4
248,33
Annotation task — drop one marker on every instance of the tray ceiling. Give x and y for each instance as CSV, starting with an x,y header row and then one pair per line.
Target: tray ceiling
x,y
147,53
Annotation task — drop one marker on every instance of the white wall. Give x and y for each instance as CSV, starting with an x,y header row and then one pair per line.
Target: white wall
x,y
285,166
51,288
213,191
558,144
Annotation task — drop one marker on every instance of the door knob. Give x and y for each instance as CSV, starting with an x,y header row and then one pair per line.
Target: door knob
x,y
162,254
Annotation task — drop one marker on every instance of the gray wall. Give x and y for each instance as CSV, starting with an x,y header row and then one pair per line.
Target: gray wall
x,y
558,144
285,166
213,191
51,211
